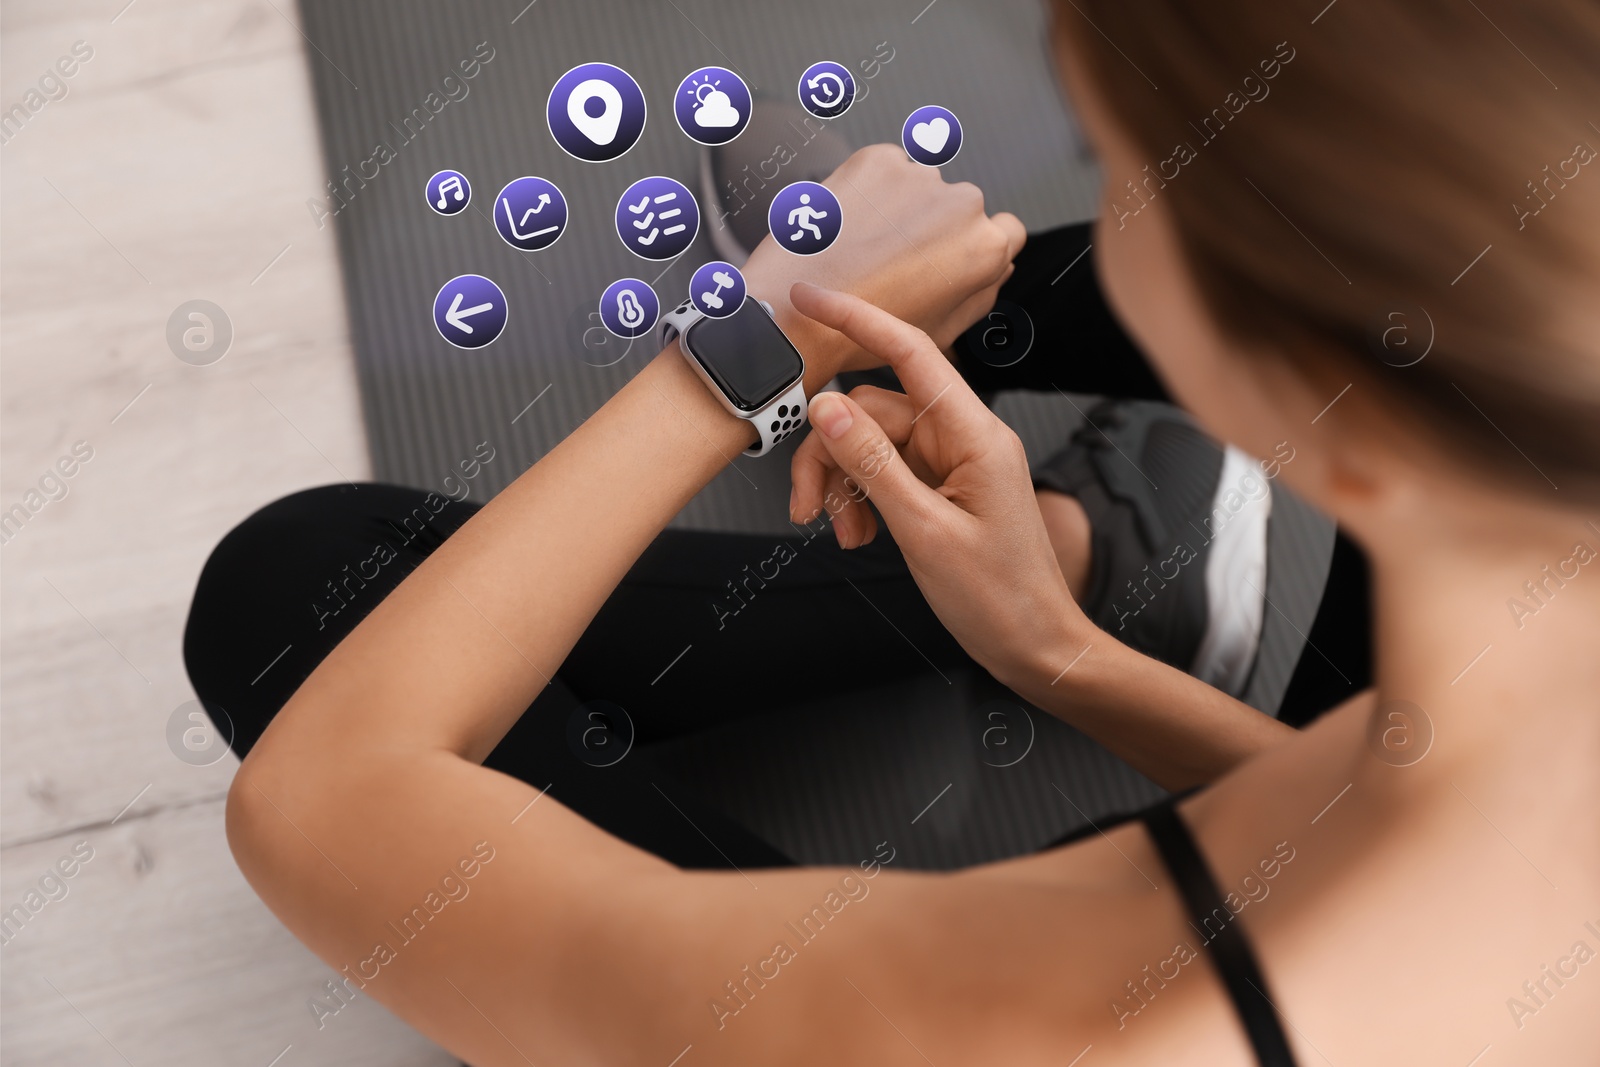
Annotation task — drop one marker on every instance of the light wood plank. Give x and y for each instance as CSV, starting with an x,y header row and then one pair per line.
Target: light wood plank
x,y
177,167
188,145
159,952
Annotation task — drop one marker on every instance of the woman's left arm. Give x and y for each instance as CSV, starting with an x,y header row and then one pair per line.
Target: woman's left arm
x,y
365,790
535,565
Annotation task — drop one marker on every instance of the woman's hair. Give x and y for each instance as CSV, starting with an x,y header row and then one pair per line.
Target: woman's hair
x,y
1378,174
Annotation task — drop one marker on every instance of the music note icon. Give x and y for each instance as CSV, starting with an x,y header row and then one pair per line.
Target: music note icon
x,y
449,192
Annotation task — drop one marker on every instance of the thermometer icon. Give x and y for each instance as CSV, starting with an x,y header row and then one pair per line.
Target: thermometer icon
x,y
629,308
629,311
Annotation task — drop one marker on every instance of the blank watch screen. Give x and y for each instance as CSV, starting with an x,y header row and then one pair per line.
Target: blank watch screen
x,y
746,354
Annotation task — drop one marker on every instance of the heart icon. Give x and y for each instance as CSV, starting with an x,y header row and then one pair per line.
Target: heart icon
x,y
931,137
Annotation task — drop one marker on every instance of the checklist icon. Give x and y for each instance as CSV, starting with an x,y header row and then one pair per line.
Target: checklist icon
x,y
651,218
657,218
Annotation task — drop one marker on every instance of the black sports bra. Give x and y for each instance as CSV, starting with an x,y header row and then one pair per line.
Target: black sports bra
x,y
1235,961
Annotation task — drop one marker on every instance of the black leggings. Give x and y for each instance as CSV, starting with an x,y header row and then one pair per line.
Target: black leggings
x,y
699,622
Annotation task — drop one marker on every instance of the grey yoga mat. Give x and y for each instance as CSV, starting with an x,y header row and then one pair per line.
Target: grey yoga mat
x,y
395,105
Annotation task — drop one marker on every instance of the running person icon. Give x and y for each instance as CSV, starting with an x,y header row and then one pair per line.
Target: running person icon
x,y
804,218
804,214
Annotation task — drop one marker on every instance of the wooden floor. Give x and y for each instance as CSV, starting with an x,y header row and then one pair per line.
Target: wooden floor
x,y
176,167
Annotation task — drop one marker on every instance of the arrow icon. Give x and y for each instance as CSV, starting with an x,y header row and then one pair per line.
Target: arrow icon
x,y
544,198
455,315
827,89
469,311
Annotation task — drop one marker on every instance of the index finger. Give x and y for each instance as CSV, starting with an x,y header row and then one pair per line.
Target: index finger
x,y
922,369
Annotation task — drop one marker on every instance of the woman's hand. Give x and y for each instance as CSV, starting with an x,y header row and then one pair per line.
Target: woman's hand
x,y
912,243
950,479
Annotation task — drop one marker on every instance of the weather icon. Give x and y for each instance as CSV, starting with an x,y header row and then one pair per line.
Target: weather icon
x,y
712,105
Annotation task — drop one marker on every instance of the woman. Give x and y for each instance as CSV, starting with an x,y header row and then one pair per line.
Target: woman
x,y
1315,900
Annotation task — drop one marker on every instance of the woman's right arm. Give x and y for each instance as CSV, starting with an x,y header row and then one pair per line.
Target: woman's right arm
x,y
951,480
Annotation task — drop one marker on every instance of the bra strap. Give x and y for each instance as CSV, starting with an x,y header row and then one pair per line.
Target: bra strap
x,y
1236,963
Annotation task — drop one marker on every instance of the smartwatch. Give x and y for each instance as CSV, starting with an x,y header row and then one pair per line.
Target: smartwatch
x,y
747,362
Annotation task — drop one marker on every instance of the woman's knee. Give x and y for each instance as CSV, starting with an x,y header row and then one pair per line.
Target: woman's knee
x,y
283,587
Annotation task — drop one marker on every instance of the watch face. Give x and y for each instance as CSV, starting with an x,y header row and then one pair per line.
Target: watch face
x,y
746,355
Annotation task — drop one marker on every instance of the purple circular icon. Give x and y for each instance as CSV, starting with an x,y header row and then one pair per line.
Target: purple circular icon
x,y
827,90
449,192
657,218
470,311
596,112
931,135
717,289
530,214
712,105
629,308
804,218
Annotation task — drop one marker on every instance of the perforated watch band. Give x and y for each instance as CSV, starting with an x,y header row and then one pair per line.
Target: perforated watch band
x,y
777,420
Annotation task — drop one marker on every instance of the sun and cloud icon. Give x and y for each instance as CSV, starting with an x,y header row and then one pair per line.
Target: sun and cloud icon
x,y
713,108
713,105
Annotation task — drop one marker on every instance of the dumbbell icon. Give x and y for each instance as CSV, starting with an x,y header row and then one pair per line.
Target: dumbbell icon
x,y
713,298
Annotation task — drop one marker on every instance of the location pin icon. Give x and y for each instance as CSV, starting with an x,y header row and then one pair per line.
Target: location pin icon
x,y
601,128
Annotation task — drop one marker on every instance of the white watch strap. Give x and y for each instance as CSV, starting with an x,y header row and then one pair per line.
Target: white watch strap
x,y
779,419
676,322
774,422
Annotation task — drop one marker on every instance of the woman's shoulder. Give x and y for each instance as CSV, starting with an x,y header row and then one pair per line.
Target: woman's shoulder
x,y
1391,914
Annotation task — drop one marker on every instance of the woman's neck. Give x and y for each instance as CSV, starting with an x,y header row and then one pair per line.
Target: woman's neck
x,y
1497,640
